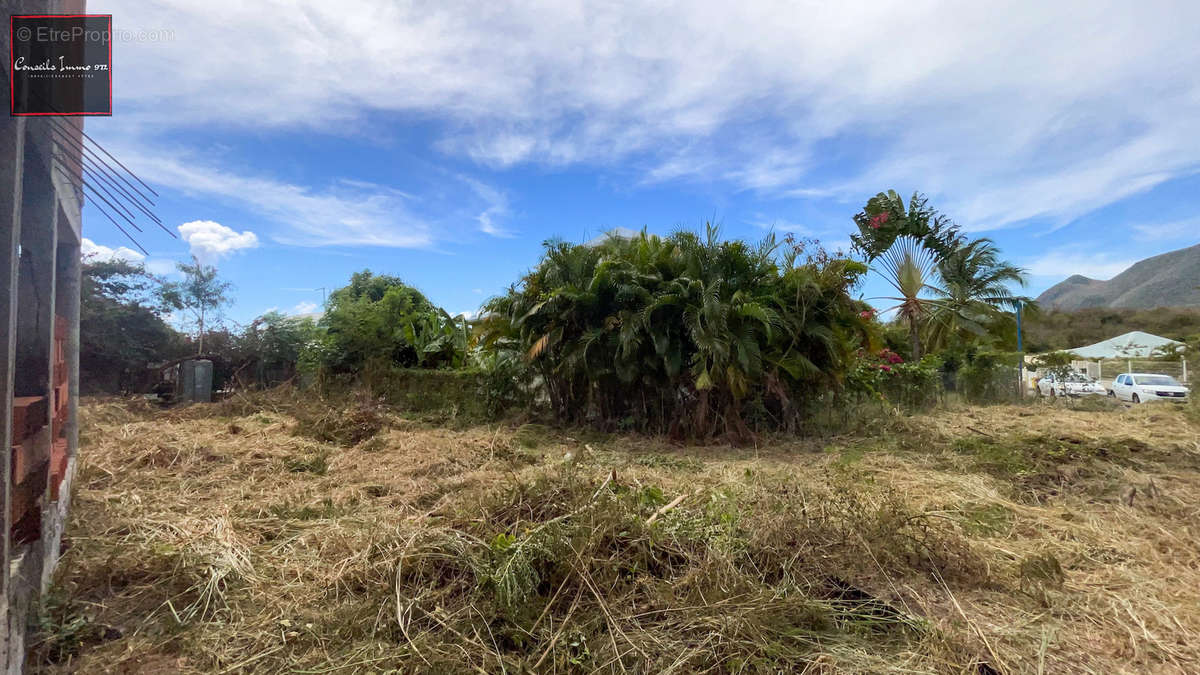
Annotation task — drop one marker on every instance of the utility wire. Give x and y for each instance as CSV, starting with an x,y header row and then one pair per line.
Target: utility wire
x,y
106,152
101,210
87,180
91,157
94,170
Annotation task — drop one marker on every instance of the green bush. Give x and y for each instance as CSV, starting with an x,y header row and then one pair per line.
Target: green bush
x,y
687,334
989,377
378,317
454,392
914,385
887,377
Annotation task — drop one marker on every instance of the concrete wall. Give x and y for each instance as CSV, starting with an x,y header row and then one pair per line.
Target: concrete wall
x,y
40,234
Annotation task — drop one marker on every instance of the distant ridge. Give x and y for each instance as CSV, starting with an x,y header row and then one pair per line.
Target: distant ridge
x,y
1167,280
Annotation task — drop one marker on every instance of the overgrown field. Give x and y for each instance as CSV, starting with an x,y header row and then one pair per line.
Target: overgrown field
x,y
279,534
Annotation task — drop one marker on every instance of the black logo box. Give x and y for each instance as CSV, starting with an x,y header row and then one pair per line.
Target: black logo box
x,y
60,64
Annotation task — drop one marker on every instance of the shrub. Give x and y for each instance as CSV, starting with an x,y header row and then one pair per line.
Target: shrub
x,y
378,317
887,377
682,334
989,377
346,427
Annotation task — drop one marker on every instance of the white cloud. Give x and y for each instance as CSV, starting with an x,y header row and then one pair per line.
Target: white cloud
x,y
345,213
1044,110
1185,229
100,252
487,225
160,266
497,208
1063,262
304,308
210,241
836,245
784,227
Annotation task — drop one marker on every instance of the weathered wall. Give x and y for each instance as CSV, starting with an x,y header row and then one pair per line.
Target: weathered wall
x,y
40,235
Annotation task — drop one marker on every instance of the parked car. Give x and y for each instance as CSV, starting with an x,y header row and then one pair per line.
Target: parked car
x,y
1071,384
1143,387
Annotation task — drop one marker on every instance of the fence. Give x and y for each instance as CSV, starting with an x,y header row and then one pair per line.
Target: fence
x,y
990,377
1110,368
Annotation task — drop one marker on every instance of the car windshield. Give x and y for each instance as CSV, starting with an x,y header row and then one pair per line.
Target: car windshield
x,y
1078,377
1160,380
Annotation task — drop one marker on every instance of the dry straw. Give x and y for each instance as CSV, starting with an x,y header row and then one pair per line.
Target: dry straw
x,y
276,533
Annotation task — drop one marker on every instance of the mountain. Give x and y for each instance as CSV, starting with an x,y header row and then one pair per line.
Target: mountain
x,y
1167,280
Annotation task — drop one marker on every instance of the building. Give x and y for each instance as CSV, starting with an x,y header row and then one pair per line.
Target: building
x,y
40,224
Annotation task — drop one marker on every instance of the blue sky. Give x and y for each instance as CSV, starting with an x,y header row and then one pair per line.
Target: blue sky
x,y
296,143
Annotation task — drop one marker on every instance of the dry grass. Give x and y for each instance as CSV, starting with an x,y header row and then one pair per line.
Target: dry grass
x,y
229,538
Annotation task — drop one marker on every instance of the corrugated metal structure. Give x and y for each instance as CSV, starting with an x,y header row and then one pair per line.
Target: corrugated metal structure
x,y
40,225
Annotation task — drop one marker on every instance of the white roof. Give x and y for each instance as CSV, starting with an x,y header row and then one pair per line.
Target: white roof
x,y
1133,345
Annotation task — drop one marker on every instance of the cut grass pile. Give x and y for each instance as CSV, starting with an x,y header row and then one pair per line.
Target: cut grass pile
x,y
278,534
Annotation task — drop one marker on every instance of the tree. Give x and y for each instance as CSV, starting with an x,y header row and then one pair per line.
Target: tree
x,y
947,286
438,338
1056,363
379,318
200,293
972,294
909,268
270,349
885,218
681,334
120,331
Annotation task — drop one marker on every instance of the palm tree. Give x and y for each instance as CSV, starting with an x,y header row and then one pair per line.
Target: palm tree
x,y
972,292
886,218
676,332
909,267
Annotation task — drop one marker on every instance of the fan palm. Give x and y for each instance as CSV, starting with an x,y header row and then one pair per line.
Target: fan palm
x,y
909,267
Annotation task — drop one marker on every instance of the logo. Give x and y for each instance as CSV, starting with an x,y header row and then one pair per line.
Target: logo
x,y
60,64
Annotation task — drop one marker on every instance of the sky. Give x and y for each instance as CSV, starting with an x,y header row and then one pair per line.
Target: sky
x,y
295,143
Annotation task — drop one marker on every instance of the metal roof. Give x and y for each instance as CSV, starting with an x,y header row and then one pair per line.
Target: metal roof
x,y
1132,345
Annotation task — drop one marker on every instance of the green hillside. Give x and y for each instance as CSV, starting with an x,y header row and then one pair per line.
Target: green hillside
x,y
1050,330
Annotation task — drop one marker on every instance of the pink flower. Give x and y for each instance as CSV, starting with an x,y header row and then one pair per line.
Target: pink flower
x,y
890,356
885,368
866,314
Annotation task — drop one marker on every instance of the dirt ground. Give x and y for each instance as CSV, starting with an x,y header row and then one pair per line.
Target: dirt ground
x,y
274,535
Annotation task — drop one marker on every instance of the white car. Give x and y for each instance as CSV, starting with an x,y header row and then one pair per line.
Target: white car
x,y
1143,387
1071,384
